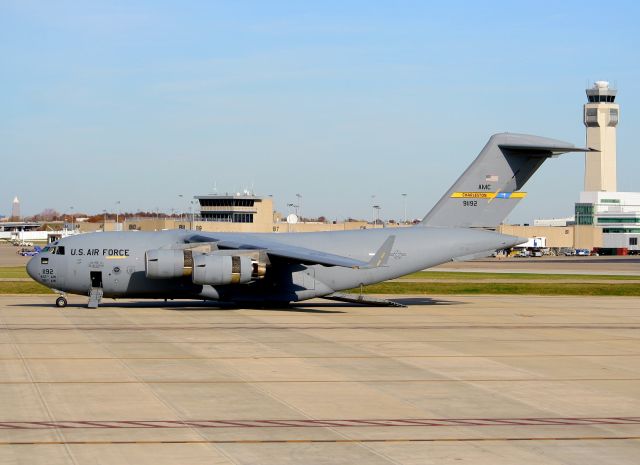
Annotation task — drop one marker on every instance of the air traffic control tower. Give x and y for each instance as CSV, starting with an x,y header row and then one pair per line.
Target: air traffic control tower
x,y
601,119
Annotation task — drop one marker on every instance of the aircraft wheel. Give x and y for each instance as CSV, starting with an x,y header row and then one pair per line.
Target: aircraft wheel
x,y
61,302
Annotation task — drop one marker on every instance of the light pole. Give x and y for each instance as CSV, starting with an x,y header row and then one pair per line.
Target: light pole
x,y
404,198
104,221
117,215
72,220
300,203
373,209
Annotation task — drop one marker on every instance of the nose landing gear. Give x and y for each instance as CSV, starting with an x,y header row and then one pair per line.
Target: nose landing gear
x,y
61,302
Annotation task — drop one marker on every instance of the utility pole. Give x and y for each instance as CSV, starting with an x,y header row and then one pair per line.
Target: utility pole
x,y
117,215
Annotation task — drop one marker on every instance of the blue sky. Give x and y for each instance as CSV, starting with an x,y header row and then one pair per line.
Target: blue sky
x,y
139,102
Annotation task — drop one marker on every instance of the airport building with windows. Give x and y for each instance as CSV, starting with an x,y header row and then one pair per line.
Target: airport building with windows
x,y
234,208
617,214
604,219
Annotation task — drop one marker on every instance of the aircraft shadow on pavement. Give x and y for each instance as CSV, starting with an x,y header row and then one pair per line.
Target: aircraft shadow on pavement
x,y
301,307
187,306
409,301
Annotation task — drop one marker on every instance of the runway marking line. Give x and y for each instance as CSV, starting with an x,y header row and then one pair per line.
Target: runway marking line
x,y
307,328
316,423
320,381
312,441
312,357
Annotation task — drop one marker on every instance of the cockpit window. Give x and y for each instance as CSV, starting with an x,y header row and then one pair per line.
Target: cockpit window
x,y
46,249
60,250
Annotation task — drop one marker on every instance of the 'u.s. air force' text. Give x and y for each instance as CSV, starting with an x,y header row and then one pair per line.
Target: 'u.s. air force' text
x,y
104,252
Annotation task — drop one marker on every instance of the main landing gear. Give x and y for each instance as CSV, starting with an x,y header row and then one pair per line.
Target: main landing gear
x,y
61,302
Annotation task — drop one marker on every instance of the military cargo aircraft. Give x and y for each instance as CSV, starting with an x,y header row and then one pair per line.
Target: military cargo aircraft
x,y
280,268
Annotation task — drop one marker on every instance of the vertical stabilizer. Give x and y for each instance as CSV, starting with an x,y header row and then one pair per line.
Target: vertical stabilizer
x,y
490,187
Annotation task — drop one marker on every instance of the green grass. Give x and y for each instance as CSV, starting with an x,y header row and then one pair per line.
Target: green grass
x,y
13,272
470,276
589,289
23,287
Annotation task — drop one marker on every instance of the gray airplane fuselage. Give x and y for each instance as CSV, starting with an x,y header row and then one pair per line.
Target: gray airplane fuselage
x,y
117,259
273,267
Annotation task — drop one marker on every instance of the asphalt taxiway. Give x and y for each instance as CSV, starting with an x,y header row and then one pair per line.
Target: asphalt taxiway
x,y
483,379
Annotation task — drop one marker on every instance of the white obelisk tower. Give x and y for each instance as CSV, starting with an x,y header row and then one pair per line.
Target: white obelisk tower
x,y
15,209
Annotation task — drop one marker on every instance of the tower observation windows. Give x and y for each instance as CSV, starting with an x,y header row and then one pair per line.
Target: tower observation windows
x,y
601,98
227,202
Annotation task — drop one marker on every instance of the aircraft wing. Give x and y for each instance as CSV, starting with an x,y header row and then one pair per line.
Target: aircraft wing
x,y
299,254
313,257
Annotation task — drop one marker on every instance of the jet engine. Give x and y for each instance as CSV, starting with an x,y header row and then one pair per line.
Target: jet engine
x,y
168,263
217,269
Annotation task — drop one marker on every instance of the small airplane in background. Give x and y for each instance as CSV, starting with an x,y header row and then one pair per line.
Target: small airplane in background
x,y
279,268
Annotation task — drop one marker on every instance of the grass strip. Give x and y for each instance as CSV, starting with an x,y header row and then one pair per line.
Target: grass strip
x,y
13,272
589,289
470,276
21,287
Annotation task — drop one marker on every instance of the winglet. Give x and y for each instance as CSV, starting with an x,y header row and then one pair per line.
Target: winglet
x,y
382,255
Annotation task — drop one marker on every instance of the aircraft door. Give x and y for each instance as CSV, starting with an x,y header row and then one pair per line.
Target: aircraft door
x,y
96,278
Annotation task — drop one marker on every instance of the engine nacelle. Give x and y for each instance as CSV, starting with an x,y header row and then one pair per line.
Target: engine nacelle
x,y
168,263
218,270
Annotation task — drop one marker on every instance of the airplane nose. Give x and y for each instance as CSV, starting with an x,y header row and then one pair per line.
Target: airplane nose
x,y
32,268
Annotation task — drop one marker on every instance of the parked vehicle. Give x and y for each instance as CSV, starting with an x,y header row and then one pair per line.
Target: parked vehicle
x,y
30,252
